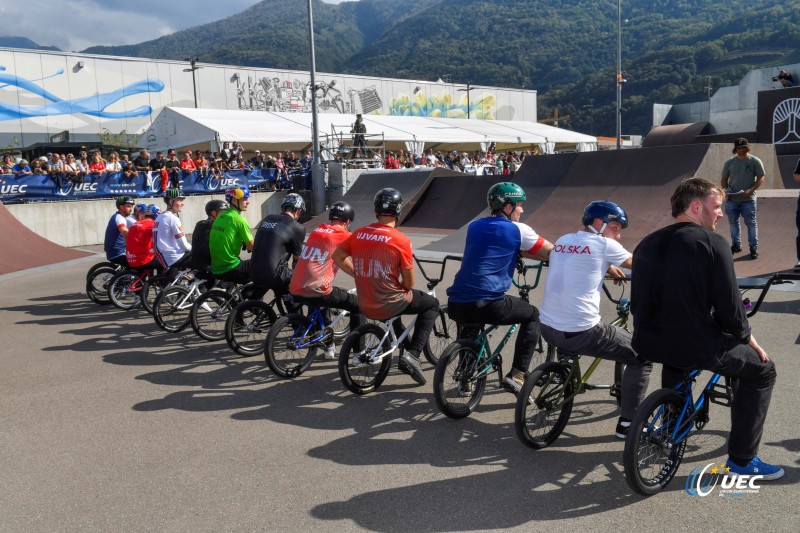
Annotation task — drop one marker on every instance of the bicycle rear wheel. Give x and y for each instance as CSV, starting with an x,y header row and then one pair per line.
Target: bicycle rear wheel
x,y
124,290
652,457
542,412
97,284
102,264
247,327
210,314
172,310
459,380
287,350
151,288
444,332
360,368
342,329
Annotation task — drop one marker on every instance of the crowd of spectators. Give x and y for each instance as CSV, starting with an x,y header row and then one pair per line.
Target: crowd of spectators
x,y
489,162
67,167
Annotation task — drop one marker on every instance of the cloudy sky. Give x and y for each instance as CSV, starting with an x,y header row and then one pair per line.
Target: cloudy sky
x,y
75,25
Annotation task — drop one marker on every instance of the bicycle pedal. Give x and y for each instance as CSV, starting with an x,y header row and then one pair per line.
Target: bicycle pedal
x,y
615,391
720,395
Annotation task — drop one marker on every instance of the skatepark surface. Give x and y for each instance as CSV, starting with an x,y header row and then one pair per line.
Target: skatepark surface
x,y
21,248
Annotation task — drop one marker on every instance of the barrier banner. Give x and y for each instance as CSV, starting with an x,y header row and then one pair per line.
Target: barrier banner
x,y
144,184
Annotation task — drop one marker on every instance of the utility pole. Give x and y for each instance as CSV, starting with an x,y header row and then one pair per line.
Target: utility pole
x,y
317,170
620,80
590,105
193,61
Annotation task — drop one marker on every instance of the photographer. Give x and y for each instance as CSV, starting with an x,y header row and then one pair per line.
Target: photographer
x,y
786,79
359,129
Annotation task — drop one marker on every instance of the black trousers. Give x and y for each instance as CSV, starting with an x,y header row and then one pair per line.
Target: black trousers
x,y
426,307
506,311
338,298
752,392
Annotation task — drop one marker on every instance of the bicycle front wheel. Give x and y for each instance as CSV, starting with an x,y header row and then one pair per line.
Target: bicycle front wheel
x,y
124,290
460,379
342,329
287,350
97,284
652,456
151,288
210,314
173,308
444,332
362,368
247,327
543,405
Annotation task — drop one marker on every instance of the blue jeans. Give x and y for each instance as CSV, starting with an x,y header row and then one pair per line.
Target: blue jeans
x,y
746,210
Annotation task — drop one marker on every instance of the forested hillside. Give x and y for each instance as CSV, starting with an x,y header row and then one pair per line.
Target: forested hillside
x,y
565,49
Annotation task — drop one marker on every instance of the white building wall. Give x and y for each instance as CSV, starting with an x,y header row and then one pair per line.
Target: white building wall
x,y
44,93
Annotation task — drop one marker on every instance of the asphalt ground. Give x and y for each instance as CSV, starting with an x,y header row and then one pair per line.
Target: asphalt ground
x,y
109,424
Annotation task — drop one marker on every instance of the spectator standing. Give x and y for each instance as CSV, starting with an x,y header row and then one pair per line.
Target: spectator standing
x,y
172,165
359,130
741,176
72,170
97,166
113,164
8,164
55,168
21,169
142,161
200,164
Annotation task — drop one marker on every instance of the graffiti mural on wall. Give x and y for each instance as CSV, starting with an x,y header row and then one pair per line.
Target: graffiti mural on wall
x,y
420,105
94,105
274,94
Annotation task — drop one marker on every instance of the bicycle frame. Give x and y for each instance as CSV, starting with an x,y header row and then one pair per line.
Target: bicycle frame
x,y
315,319
490,361
690,408
388,330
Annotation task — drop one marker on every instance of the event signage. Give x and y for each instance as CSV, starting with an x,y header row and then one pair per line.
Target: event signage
x,y
144,184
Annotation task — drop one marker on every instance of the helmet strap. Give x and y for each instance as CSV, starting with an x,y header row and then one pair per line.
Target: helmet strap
x,y
595,231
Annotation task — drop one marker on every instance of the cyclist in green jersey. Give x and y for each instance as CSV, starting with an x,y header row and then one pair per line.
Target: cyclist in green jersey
x,y
229,235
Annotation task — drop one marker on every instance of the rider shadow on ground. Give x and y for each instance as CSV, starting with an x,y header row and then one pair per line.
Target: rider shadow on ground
x,y
61,309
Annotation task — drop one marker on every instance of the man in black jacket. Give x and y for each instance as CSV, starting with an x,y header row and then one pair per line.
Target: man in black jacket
x,y
688,313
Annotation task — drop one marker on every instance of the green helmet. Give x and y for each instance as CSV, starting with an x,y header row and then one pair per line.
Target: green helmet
x,y
502,193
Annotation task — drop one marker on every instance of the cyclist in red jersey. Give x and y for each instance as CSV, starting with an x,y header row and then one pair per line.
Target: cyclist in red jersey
x,y
139,245
380,259
313,274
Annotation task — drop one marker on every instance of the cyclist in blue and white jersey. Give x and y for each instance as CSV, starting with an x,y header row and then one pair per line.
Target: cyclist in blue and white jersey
x,y
494,245
570,311
117,230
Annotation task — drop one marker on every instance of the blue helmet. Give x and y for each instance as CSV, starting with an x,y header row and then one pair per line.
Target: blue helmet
x,y
242,192
152,211
605,211
139,208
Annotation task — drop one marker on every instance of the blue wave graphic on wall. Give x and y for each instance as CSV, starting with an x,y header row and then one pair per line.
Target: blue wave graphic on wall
x,y
94,105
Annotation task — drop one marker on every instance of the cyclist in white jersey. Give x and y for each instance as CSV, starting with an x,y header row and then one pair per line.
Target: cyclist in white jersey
x,y
169,240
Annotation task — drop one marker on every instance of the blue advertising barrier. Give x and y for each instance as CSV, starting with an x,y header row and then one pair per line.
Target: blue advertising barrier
x,y
144,184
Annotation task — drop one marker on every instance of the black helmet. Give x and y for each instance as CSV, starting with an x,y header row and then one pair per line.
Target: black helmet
x,y
341,211
388,203
294,202
605,211
122,200
216,205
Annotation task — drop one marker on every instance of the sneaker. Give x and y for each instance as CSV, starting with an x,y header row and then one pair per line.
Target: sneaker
x,y
736,248
756,467
797,267
330,352
754,252
513,382
408,364
622,428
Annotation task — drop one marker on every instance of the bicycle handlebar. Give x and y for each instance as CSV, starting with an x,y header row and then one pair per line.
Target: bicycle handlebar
x,y
522,270
608,293
746,284
433,282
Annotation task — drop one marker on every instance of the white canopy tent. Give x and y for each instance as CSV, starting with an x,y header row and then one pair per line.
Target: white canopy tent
x,y
189,128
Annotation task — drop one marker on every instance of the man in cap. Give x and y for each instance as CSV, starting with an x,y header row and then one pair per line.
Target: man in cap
x,y
741,176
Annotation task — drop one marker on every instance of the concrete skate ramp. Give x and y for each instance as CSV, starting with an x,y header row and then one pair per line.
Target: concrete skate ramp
x,y
411,183
20,248
538,176
642,181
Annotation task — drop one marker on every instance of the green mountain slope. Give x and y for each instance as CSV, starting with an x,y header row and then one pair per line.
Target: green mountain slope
x,y
566,49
